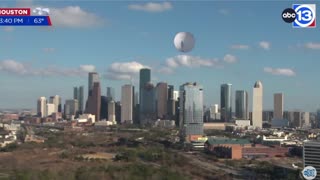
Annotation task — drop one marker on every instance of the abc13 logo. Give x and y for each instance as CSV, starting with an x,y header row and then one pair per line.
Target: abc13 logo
x,y
300,15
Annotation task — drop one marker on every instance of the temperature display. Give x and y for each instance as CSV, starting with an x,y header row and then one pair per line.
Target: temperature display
x,y
25,21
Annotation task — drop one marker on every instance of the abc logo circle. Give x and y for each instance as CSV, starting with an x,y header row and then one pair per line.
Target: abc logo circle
x,y
289,15
309,173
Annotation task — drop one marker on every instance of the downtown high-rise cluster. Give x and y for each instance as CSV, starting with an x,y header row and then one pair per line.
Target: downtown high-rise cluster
x,y
149,103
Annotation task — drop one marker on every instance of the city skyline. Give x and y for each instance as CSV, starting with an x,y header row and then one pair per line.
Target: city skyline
x,y
120,41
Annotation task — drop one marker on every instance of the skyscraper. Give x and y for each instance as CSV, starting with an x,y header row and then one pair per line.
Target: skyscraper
x,y
111,111
170,91
288,115
75,93
78,95
267,116
242,105
175,95
278,106
81,98
136,98
135,107
216,108
306,119
297,119
225,102
214,112
171,102
148,104
126,104
70,108
317,123
118,112
56,100
94,101
50,109
104,108
145,77
133,102
93,78
42,107
257,105
191,109
110,94
162,99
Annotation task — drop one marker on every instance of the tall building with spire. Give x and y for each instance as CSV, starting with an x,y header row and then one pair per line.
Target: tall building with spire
x,y
257,105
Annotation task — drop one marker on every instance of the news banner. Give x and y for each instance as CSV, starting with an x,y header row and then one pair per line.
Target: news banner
x,y
25,17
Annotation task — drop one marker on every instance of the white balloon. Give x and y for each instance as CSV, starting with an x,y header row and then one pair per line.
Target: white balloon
x,y
184,41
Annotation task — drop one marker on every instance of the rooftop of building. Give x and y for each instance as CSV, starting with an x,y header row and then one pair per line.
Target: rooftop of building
x,y
313,141
216,141
258,84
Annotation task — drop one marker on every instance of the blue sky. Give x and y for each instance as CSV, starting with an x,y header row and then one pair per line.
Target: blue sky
x,y
237,42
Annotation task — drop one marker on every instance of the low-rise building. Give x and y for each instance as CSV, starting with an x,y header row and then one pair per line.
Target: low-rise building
x,y
57,116
82,120
11,127
242,148
5,142
10,116
264,151
226,148
165,123
89,117
101,124
279,123
275,138
4,133
34,138
242,123
216,126
198,144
